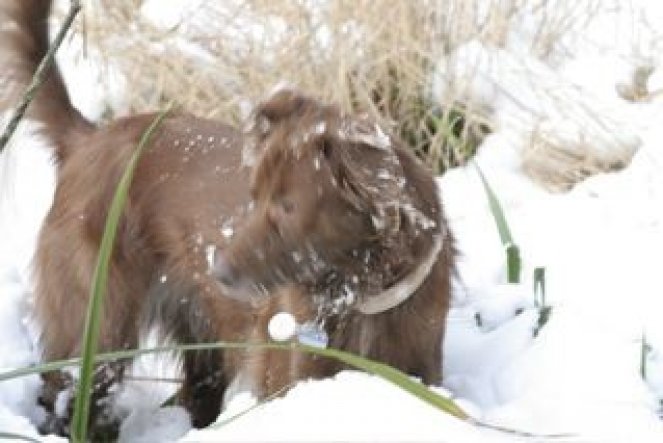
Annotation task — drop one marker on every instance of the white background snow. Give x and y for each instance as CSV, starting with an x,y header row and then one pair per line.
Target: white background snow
x,y
601,244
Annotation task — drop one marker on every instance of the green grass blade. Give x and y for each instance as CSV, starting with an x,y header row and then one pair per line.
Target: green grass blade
x,y
545,311
513,263
540,286
394,376
512,251
645,348
381,370
496,210
38,369
98,289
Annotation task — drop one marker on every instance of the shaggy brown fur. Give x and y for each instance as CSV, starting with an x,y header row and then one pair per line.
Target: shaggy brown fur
x,y
23,42
333,212
344,212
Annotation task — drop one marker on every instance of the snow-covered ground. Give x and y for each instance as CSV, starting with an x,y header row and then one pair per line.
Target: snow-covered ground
x,y
601,244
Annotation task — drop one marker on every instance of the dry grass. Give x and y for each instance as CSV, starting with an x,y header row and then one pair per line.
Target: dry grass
x,y
559,169
366,55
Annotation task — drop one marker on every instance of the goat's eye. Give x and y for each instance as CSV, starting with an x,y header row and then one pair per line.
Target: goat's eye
x,y
326,148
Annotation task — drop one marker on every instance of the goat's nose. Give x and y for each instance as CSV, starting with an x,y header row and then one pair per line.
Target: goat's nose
x,y
223,270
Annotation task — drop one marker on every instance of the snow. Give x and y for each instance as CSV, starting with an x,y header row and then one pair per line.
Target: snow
x,y
312,411
23,204
147,426
601,244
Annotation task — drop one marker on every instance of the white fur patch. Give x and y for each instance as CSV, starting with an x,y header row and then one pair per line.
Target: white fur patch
x,y
150,378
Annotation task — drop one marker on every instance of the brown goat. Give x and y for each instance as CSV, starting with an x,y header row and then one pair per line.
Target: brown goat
x,y
323,212
346,214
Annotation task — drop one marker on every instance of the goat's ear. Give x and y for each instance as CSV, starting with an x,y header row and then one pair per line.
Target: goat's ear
x,y
282,103
365,132
370,174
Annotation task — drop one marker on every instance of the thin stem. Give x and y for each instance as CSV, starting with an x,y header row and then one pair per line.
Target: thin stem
x,y
92,329
39,76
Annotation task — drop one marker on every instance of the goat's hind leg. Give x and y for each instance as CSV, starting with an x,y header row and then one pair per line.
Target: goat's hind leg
x,y
58,396
182,310
61,339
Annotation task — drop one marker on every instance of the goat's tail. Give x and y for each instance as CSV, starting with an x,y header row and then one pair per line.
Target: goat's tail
x,y
24,41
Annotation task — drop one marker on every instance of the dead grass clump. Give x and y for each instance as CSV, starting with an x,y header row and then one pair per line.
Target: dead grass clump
x,y
216,58
559,169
